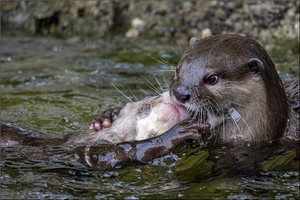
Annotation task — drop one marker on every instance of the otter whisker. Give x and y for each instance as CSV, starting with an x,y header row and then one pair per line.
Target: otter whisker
x,y
192,111
223,121
131,91
232,102
236,116
247,126
141,97
213,132
154,89
180,48
232,129
198,110
161,88
235,134
162,61
215,104
122,92
146,93
204,114
166,70
215,108
151,86
165,83
189,110
200,115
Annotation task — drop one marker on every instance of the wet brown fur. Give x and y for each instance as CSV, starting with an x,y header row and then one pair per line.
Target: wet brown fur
x,y
256,92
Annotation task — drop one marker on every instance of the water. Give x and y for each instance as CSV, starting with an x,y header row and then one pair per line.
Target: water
x,y
58,87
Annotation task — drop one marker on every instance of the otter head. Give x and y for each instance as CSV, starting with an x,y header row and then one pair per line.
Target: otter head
x,y
233,81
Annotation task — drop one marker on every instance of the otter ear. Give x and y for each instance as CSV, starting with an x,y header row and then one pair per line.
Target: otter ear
x,y
255,66
193,41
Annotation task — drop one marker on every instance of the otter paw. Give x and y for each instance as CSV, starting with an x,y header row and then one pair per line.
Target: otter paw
x,y
104,156
191,129
105,119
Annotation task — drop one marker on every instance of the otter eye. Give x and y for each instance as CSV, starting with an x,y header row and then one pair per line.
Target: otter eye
x,y
144,110
212,80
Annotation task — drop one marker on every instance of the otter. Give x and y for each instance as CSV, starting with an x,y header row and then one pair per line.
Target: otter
x,y
230,83
137,121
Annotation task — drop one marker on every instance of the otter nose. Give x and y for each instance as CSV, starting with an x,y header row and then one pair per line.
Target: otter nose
x,y
181,94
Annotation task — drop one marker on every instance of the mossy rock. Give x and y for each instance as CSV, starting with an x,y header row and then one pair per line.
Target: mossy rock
x,y
218,188
195,166
281,162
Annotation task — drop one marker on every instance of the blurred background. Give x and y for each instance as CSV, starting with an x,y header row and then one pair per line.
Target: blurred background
x,y
267,21
275,24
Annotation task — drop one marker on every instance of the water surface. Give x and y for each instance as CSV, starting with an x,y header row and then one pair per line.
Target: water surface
x,y
57,86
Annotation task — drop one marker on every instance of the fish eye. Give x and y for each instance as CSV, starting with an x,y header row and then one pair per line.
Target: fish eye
x,y
144,110
212,80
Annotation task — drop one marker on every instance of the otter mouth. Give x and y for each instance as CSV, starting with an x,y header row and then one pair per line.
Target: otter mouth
x,y
174,108
201,115
181,110
204,116
178,111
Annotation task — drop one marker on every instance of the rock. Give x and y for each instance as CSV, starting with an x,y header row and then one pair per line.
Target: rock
x,y
137,26
165,19
205,33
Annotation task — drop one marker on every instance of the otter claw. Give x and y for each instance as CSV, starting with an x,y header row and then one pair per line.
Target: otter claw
x,y
192,126
105,119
